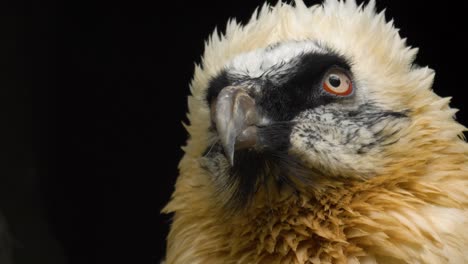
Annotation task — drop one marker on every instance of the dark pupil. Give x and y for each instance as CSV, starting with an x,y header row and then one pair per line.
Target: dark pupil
x,y
334,81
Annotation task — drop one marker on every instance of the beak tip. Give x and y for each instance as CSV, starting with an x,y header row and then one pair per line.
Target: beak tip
x,y
230,154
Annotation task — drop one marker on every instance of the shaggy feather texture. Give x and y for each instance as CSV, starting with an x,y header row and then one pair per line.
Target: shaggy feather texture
x,y
414,208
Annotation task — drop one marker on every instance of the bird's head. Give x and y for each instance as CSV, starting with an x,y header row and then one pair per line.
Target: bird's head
x,y
306,98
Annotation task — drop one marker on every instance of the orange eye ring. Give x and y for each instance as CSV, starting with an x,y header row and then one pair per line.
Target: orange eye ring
x,y
336,82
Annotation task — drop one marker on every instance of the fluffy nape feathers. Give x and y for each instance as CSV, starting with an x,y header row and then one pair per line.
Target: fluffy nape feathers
x,y
403,201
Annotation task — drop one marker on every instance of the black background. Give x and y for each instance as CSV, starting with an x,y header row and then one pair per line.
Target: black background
x,y
91,102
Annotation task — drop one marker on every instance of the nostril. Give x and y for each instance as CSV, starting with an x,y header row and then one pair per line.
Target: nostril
x,y
248,104
247,138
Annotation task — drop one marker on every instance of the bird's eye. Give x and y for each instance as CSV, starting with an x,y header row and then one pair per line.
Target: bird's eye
x,y
336,82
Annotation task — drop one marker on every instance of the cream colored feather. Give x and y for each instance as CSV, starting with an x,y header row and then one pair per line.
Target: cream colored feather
x,y
413,210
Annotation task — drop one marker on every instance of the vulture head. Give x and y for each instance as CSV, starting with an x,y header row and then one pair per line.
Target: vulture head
x,y
315,138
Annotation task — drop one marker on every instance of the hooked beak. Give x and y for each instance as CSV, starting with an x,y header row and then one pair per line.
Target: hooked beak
x,y
235,115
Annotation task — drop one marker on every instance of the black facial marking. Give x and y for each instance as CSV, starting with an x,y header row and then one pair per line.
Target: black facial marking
x,y
286,90
216,85
301,89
